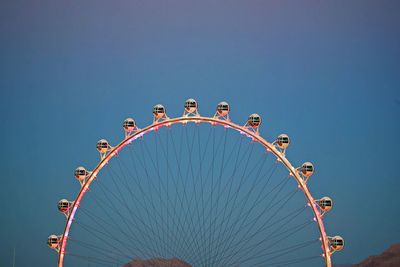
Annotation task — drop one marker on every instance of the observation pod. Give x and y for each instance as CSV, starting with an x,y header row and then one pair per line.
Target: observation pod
x,y
191,105
283,141
102,146
53,241
307,169
81,173
159,111
254,120
223,109
325,204
129,125
64,205
337,243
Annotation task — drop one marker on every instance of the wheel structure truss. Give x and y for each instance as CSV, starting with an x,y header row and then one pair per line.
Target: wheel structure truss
x,y
165,121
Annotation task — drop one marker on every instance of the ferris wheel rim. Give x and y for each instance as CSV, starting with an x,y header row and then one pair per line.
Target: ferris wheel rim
x,y
197,119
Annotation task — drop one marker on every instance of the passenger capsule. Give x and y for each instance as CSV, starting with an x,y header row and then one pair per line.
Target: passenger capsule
x,y
325,204
254,120
159,111
102,146
337,243
129,125
283,141
307,169
53,241
223,109
81,173
191,105
63,205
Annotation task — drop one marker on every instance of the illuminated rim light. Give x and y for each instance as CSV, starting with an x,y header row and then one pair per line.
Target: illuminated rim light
x,y
213,121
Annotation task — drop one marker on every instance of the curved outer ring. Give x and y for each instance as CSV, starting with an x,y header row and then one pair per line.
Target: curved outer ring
x,y
270,147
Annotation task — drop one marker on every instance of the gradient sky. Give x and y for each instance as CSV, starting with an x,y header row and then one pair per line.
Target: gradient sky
x,y
325,72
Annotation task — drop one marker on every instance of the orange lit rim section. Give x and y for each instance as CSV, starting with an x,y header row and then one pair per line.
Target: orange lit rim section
x,y
198,119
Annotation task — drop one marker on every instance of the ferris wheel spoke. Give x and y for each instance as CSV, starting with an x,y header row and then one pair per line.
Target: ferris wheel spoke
x,y
245,175
244,216
178,225
145,197
193,240
201,220
196,227
104,226
267,223
225,210
135,199
283,201
151,186
252,249
102,205
184,199
271,238
291,261
123,201
219,180
114,208
110,253
238,162
276,254
105,239
197,190
181,232
173,239
159,224
128,244
101,261
285,220
209,217
259,199
245,160
166,153
230,181
254,254
219,193
182,245
144,204
195,233
163,203
232,243
219,241
187,233
244,200
233,235
181,201
207,214
123,244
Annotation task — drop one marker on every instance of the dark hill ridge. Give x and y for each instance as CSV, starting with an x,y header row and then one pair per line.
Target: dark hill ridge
x,y
389,258
174,262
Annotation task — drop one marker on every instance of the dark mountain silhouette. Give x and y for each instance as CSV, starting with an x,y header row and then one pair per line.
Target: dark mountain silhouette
x,y
158,262
389,258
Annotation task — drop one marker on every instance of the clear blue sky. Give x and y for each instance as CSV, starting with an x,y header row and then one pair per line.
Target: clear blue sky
x,y
325,72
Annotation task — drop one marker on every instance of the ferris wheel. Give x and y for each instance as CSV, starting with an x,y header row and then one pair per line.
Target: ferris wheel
x,y
198,190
